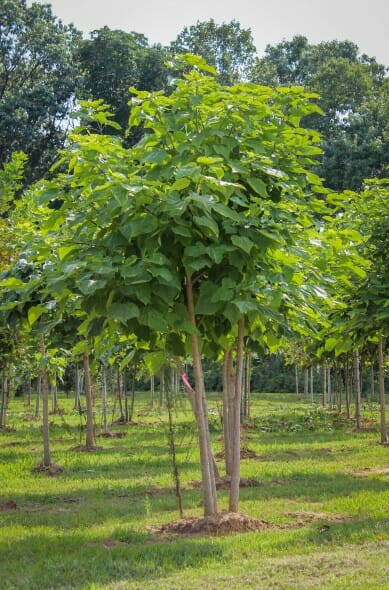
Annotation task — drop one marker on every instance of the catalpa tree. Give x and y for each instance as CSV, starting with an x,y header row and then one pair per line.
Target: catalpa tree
x,y
177,235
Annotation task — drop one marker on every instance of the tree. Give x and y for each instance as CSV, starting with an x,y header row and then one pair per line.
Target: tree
x,y
112,61
184,238
353,94
227,47
38,78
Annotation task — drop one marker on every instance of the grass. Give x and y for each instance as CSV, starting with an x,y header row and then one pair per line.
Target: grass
x,y
324,491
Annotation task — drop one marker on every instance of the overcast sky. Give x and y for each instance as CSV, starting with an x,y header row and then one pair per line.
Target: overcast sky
x,y
365,22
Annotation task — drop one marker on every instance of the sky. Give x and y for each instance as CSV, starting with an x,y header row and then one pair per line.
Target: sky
x,y
365,22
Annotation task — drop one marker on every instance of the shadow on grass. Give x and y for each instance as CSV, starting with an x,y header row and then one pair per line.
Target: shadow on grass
x,y
75,560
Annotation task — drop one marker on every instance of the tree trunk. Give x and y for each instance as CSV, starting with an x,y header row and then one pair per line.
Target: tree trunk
x,y
235,432
329,387
357,386
38,396
104,400
152,391
226,407
131,414
381,377
120,395
311,380
4,398
306,382
324,397
45,405
77,389
372,382
29,390
296,378
54,395
89,404
206,458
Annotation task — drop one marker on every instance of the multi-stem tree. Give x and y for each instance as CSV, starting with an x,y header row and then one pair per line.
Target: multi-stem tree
x,y
178,235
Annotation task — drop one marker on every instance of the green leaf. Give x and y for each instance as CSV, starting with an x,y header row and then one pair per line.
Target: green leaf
x,y
207,224
181,184
34,313
258,186
242,242
122,312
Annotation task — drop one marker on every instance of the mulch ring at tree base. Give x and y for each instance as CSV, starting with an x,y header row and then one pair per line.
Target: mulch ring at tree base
x,y
52,469
224,483
85,449
110,434
245,453
9,505
224,523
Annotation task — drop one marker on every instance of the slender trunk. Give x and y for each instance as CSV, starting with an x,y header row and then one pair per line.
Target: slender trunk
x,y
226,405
296,378
329,387
172,448
248,376
306,382
324,397
104,400
4,398
131,414
125,396
357,385
372,382
29,390
311,380
348,387
89,403
235,433
161,388
77,389
45,405
120,395
54,394
206,459
38,396
381,377
152,391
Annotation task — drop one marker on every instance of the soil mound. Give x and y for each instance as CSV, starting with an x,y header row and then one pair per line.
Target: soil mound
x,y
224,523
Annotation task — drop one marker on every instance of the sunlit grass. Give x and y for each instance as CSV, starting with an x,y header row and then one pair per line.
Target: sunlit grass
x,y
321,491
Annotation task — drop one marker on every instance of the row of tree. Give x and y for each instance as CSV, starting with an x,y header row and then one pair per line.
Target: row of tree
x,y
199,229
45,65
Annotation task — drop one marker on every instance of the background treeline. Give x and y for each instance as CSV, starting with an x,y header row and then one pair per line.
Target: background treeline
x,y
45,65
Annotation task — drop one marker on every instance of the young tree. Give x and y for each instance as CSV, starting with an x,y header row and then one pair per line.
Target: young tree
x,y
177,235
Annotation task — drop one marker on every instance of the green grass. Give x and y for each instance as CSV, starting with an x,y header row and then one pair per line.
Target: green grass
x,y
88,527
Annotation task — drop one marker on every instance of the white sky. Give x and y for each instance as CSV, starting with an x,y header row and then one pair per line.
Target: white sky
x,y
365,22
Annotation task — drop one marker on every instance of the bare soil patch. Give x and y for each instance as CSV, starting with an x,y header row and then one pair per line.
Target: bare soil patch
x,y
8,505
110,543
224,483
366,471
85,449
306,517
224,523
110,434
51,470
245,453
122,422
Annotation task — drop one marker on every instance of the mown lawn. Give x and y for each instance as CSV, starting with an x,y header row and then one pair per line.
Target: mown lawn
x,y
324,492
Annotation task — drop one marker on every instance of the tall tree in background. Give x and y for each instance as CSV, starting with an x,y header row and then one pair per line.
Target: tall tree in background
x,y
38,77
112,61
227,47
353,93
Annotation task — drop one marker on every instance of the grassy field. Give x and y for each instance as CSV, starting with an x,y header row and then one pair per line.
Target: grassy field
x,y
324,492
